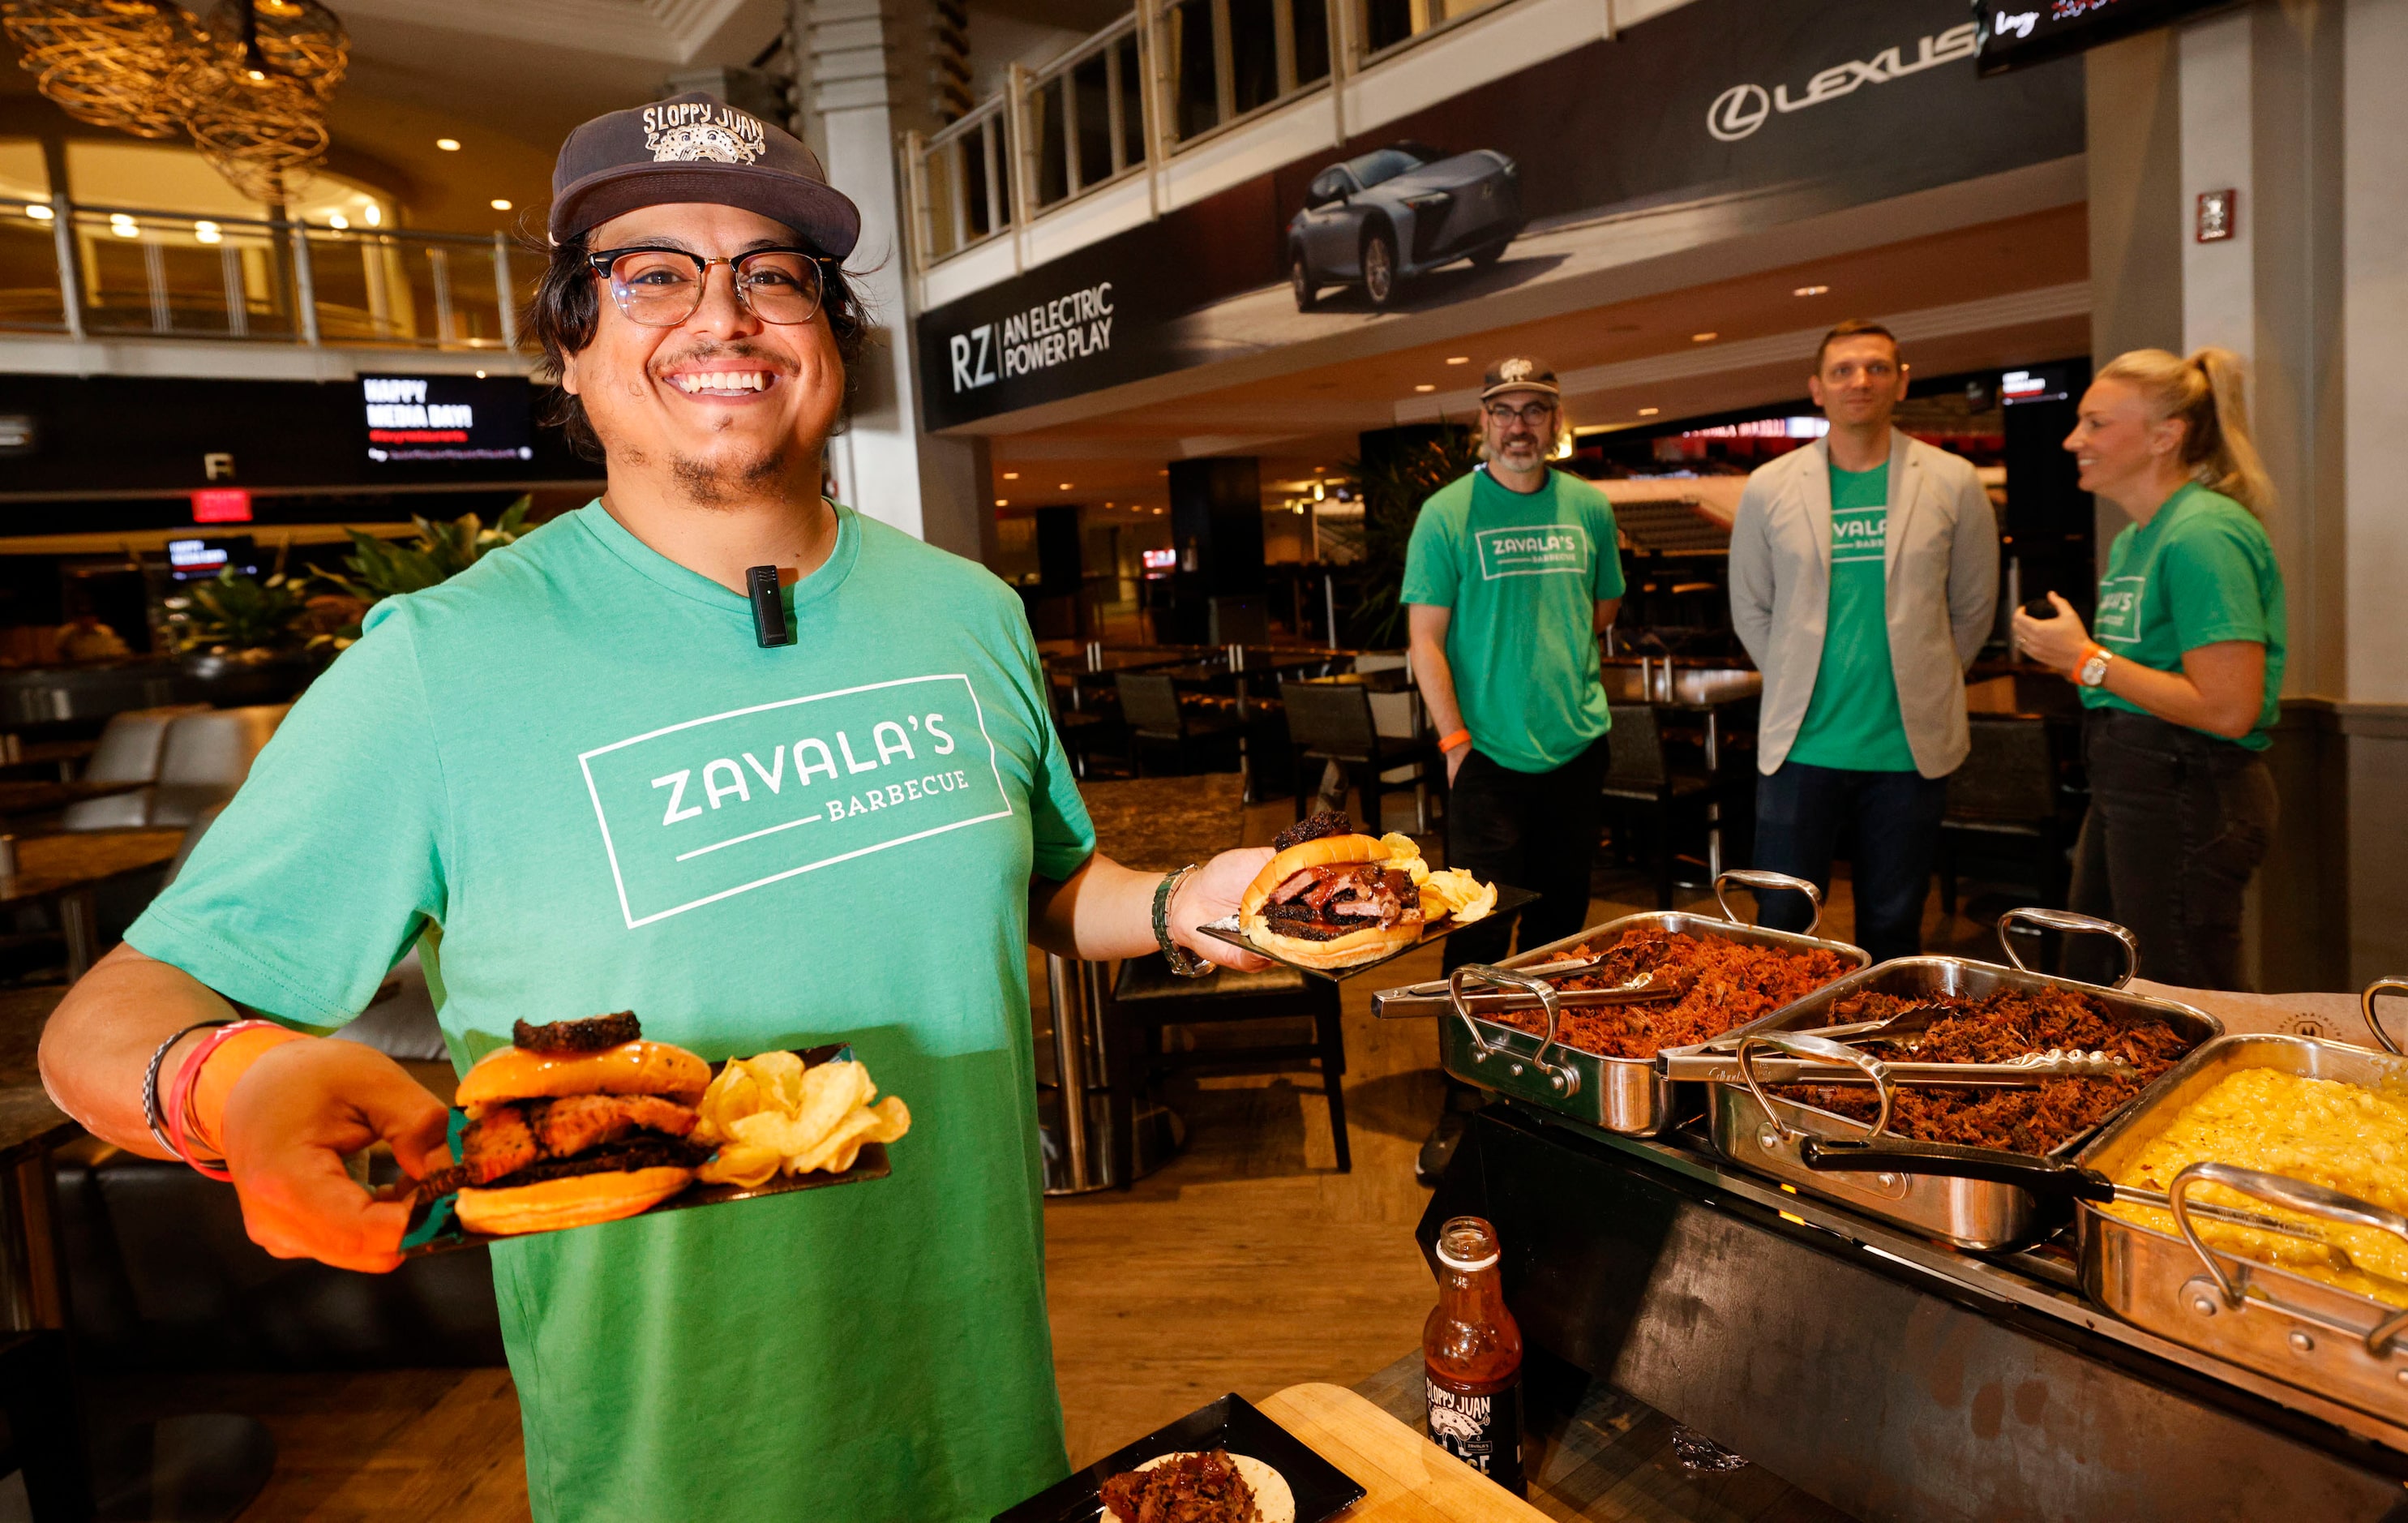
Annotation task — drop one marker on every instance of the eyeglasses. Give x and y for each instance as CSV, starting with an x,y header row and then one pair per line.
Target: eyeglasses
x,y
661,288
1532,414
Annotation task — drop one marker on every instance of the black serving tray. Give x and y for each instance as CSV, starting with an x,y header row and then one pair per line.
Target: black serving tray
x,y
1322,1490
1508,900
434,1228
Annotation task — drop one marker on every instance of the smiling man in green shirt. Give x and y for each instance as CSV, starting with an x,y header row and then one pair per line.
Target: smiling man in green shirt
x,y
1864,574
575,777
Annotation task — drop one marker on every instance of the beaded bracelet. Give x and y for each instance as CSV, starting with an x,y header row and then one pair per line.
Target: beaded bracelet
x,y
151,1113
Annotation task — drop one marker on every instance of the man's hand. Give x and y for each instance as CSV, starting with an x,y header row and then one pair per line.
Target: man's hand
x,y
290,1121
1454,761
1210,892
2056,642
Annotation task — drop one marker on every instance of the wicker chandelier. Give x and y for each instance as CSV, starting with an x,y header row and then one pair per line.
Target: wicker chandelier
x,y
249,82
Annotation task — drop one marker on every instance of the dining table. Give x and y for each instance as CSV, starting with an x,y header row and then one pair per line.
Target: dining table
x,y
22,797
67,868
1151,825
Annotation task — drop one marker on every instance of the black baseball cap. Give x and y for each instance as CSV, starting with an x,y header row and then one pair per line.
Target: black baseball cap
x,y
1518,373
698,148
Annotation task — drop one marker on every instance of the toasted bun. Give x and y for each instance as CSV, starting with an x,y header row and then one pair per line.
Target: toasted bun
x,y
631,1068
1340,951
1322,853
579,1201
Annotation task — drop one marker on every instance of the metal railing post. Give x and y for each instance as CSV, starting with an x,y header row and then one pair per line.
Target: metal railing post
x,y
154,276
1016,154
237,301
506,299
438,262
304,286
63,247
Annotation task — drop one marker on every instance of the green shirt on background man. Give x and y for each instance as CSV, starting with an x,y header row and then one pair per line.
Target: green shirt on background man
x,y
2200,571
1853,720
1522,573
573,770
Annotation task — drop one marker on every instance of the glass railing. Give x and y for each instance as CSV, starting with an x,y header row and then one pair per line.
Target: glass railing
x,y
116,272
1151,84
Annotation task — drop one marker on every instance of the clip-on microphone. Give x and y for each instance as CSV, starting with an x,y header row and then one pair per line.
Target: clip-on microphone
x,y
769,627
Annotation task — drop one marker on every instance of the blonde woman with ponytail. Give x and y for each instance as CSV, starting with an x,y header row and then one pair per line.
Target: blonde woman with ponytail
x,y
2182,676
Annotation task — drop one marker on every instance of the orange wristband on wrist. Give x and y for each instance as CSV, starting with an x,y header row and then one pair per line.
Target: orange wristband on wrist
x,y
210,1075
1460,737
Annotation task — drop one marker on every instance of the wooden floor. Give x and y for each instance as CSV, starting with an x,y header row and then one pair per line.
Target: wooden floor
x,y
1247,1264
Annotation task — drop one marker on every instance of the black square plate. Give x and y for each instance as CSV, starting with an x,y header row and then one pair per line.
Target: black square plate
x,y
435,1227
1508,900
1232,1423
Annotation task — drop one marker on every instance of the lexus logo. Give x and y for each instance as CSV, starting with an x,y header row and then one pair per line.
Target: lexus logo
x,y
1740,110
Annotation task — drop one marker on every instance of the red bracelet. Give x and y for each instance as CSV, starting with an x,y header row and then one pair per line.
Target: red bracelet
x,y
1459,737
180,1098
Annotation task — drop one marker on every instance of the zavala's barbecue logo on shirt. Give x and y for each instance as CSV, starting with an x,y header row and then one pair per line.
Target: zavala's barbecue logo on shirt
x,y
717,806
1859,534
1549,549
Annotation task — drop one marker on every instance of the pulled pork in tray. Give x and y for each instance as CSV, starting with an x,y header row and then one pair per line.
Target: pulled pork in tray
x,y
2032,1121
1730,983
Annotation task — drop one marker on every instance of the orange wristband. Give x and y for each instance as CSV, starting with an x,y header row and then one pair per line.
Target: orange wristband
x,y
222,1065
1460,737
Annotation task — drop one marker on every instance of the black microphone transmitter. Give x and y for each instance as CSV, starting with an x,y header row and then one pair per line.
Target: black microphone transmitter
x,y
768,610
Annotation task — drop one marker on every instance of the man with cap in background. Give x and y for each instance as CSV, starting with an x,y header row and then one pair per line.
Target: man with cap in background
x,y
1511,575
579,777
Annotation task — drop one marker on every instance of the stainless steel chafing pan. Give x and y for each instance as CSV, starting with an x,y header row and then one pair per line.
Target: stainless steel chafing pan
x,y
1622,1095
2345,1345
1771,1134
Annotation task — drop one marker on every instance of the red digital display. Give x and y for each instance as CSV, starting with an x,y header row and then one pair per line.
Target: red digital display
x,y
221,505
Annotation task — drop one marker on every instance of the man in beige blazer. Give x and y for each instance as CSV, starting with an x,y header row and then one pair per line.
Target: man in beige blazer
x,y
1864,578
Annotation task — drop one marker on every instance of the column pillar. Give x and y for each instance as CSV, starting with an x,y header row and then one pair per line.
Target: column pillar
x,y
1216,524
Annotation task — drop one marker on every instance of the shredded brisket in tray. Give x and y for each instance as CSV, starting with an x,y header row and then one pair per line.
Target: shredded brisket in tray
x,y
1734,983
2032,1121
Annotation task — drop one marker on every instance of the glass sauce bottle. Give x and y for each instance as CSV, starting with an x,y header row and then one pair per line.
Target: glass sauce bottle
x,y
1471,1358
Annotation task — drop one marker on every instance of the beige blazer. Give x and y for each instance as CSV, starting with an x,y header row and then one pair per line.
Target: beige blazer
x,y
1941,591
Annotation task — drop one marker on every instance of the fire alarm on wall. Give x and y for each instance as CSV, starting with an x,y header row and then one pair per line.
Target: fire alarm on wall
x,y
2216,215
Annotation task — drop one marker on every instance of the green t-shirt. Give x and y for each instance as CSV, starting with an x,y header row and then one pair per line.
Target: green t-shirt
x,y
2201,570
1853,720
1522,572
575,771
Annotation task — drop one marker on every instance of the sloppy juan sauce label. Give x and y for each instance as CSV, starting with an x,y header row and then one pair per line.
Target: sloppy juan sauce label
x,y
1482,1432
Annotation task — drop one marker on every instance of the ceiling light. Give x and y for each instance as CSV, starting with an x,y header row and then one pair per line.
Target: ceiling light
x,y
1812,291
123,226
1426,388
480,375
449,145
1703,337
40,213
1064,487
1003,502
1011,475
207,233
1649,412
1159,511
337,221
1458,359
1164,471
500,203
1318,470
372,214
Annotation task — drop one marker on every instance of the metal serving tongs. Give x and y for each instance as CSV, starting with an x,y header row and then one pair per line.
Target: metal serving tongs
x,y
1811,1066
1903,1025
1436,996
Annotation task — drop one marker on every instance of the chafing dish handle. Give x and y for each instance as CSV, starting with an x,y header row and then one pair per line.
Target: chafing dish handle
x,y
1896,1156
1563,1079
2296,1194
1799,1044
1759,880
2366,1007
2066,920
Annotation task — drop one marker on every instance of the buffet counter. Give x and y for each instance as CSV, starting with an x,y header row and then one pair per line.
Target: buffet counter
x,y
1883,1373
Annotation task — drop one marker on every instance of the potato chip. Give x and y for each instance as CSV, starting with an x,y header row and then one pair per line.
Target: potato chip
x,y
1466,897
1403,854
770,1114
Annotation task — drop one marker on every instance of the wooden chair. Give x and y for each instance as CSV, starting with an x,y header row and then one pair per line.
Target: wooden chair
x,y
1149,707
1642,785
1147,998
2005,805
1333,722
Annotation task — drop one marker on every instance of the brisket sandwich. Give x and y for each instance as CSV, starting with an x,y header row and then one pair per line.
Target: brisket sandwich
x,y
574,1122
1331,898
